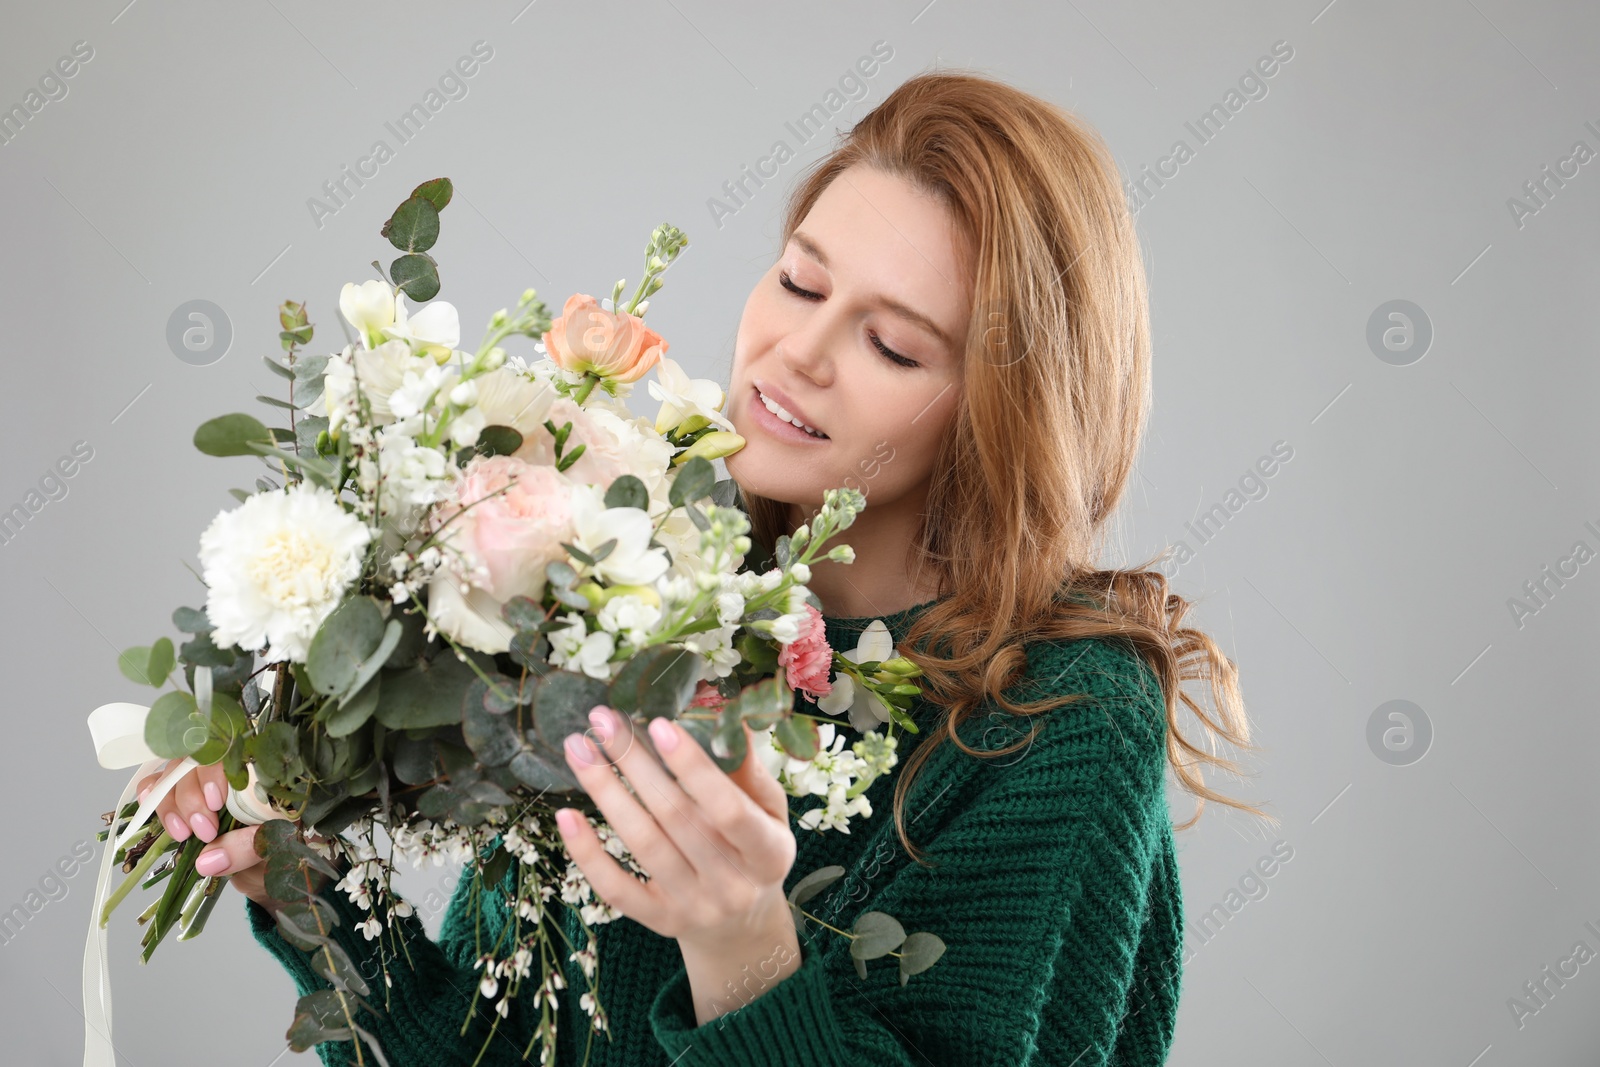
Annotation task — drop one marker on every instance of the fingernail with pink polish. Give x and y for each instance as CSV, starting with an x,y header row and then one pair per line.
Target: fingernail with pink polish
x,y
665,734
211,862
213,796
175,826
205,827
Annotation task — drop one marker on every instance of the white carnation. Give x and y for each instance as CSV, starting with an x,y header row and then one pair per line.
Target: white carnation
x,y
277,566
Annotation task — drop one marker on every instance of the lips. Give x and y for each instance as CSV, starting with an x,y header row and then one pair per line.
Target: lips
x,y
790,408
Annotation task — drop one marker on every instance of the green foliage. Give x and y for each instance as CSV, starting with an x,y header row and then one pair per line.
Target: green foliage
x,y
694,481
413,229
627,491
231,435
148,666
429,692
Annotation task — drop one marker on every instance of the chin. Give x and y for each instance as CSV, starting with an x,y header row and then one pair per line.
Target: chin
x,y
753,475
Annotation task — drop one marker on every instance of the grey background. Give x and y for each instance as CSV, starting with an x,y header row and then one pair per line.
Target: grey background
x,y
1378,563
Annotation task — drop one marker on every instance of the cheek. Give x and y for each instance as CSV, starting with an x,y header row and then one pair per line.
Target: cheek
x,y
889,458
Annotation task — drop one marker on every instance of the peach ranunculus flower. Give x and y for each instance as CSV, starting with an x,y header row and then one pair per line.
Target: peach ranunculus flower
x,y
616,345
808,660
505,540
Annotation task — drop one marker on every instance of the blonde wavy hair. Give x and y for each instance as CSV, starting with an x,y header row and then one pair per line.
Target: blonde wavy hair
x,y
1060,320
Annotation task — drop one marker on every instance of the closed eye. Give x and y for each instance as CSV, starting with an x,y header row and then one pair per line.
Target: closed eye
x,y
806,294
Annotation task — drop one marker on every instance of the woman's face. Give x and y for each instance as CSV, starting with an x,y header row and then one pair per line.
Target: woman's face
x,y
849,356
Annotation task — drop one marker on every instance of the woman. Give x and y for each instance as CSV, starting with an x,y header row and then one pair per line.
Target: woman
x,y
956,325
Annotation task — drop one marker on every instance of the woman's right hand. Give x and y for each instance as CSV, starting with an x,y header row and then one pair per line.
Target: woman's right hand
x,y
192,807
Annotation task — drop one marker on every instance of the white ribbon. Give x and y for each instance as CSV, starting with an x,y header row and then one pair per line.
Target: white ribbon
x,y
118,733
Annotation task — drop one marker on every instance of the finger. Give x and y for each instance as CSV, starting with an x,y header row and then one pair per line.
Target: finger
x,y
148,782
757,781
229,854
177,825
213,786
631,750
612,882
646,839
673,810
728,809
192,807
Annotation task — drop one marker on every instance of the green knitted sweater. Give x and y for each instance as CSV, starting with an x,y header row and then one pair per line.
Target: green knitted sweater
x,y
1056,893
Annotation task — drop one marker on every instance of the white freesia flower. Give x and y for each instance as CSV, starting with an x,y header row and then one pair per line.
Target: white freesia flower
x,y
420,379
631,561
370,307
866,710
434,331
277,566
380,372
574,645
629,616
766,752
683,397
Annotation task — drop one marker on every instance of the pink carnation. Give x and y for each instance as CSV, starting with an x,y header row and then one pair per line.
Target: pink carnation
x,y
807,658
708,696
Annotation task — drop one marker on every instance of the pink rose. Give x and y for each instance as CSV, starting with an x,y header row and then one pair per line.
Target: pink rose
x,y
512,534
615,345
602,461
807,658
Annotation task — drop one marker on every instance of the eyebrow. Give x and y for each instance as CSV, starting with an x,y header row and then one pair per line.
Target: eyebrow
x,y
815,251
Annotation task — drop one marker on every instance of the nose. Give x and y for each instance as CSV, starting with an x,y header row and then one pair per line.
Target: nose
x,y
804,350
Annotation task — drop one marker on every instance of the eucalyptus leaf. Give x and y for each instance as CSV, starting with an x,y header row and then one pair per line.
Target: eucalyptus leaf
x,y
627,491
275,751
668,684
319,1016
169,729
920,951
352,714
437,191
877,934
333,963
412,640
148,666
191,621
537,771
369,667
231,435
414,226
202,651
498,441
430,692
798,736
413,760
693,481
346,638
492,736
814,883
522,613
562,704
417,275
305,924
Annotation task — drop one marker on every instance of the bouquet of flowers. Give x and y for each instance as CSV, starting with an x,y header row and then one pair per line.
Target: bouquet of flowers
x,y
458,557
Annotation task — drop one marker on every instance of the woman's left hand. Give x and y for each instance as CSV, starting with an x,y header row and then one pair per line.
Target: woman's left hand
x,y
717,846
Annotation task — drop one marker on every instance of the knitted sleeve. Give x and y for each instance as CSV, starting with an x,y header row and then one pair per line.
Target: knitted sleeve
x,y
420,1011
1044,866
